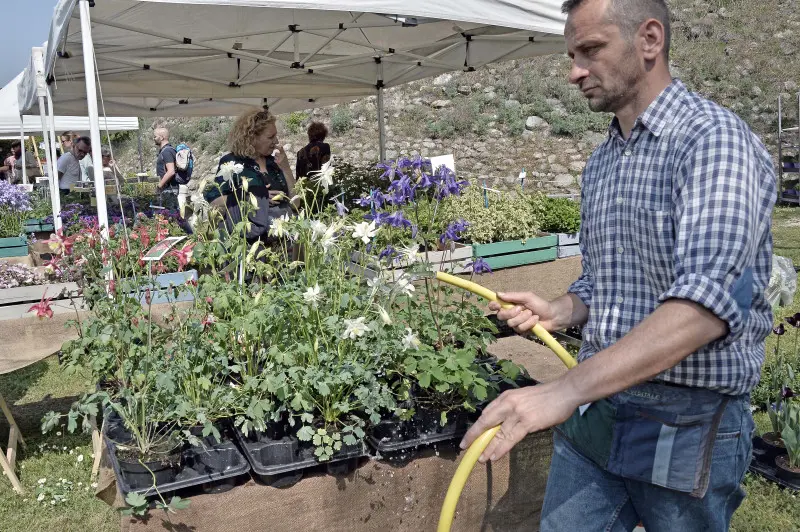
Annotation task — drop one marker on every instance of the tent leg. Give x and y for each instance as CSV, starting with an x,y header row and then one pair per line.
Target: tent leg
x,y
141,160
94,118
22,154
53,156
381,127
55,200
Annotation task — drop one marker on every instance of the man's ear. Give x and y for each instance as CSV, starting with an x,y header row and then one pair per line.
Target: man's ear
x,y
651,36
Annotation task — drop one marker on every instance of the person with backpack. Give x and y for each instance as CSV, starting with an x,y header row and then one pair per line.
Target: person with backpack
x,y
173,166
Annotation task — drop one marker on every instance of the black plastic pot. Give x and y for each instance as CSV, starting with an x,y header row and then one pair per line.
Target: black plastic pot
x,y
160,471
280,460
768,442
789,475
764,464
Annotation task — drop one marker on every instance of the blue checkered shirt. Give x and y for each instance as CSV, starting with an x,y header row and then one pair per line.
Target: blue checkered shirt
x,y
682,209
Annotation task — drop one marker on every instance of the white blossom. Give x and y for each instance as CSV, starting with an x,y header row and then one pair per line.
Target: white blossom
x,y
80,458
385,318
365,231
324,176
278,227
40,498
410,253
403,284
312,295
317,230
410,340
355,328
227,170
41,481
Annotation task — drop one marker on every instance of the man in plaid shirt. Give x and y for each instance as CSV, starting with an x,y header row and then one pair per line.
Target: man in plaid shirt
x,y
654,423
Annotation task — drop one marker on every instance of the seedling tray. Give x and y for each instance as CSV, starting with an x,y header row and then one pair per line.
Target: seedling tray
x,y
213,468
763,465
393,436
282,462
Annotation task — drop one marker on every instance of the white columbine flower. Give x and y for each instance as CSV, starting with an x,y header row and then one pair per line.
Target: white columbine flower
x,y
384,315
410,340
41,481
40,498
278,226
226,170
403,284
365,231
312,295
324,177
410,253
317,230
80,458
355,328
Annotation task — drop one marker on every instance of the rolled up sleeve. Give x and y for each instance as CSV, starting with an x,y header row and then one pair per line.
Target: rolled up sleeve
x,y
718,224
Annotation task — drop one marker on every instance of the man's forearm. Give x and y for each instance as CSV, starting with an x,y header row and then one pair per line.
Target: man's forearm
x,y
167,178
674,331
570,311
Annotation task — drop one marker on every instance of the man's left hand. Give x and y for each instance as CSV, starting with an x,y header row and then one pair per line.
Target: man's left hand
x,y
520,412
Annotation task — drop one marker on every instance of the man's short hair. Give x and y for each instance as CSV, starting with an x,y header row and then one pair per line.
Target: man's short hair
x,y
16,144
317,132
162,132
105,152
85,140
629,15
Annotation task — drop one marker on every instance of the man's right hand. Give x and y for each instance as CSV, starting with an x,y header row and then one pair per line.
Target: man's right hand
x,y
529,309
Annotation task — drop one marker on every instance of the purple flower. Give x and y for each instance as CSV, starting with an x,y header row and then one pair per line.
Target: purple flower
x,y
364,201
449,185
794,320
480,267
786,392
387,253
779,330
453,231
401,190
404,162
418,163
13,198
340,208
378,217
396,219
389,171
426,181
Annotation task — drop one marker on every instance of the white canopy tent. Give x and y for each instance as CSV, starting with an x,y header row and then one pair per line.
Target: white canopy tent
x,y
10,116
217,57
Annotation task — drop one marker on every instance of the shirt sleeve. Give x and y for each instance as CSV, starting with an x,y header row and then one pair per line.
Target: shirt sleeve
x,y
720,217
63,164
169,157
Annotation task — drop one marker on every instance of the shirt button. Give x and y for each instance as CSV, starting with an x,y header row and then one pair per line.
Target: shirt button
x,y
620,201
627,153
620,250
620,299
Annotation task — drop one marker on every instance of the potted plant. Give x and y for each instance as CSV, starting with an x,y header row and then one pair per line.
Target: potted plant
x,y
503,226
781,376
789,464
14,204
562,217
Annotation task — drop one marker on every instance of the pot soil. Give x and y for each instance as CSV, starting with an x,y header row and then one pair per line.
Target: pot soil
x,y
790,474
773,445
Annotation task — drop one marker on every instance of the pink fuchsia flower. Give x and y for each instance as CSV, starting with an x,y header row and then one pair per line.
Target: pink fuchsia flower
x,y
42,308
184,256
192,283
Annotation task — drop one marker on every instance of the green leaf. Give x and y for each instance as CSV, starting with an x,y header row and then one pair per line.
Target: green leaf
x,y
349,439
305,433
135,500
323,388
176,503
425,380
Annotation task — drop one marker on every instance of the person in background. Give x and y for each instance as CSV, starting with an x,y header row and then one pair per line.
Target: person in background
x,y
169,177
252,141
87,169
13,164
111,171
69,164
66,140
316,153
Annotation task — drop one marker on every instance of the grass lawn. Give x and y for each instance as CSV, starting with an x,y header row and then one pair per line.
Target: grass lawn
x,y
67,499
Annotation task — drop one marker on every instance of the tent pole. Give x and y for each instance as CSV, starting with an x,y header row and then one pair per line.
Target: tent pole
x,y
55,200
52,154
36,153
94,118
141,160
381,127
22,153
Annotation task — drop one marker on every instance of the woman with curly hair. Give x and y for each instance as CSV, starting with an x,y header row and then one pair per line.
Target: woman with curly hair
x,y
252,141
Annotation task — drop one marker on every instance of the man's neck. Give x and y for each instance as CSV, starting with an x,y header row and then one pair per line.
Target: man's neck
x,y
648,91
164,143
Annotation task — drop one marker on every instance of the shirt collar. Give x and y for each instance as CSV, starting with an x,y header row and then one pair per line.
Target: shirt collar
x,y
660,111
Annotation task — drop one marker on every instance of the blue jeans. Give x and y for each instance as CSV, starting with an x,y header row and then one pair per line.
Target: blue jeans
x,y
582,496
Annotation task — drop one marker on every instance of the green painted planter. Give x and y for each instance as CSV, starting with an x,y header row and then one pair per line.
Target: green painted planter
x,y
36,225
15,246
517,252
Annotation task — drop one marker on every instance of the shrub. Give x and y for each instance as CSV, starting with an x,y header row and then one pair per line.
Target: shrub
x,y
509,216
294,122
559,215
341,120
461,119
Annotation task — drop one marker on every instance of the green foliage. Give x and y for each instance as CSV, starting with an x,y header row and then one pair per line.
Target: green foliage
x,y
459,120
509,216
354,181
790,433
512,117
294,122
558,215
341,119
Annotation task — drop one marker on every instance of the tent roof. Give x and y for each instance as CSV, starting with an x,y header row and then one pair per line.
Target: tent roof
x,y
9,116
217,57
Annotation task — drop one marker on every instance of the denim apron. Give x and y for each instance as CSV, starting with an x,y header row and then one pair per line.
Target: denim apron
x,y
657,433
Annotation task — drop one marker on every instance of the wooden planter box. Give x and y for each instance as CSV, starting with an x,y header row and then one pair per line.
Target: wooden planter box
x,y
517,252
35,225
15,246
451,262
568,245
15,302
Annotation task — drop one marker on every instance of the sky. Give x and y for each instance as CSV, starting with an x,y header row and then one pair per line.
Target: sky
x,y
23,29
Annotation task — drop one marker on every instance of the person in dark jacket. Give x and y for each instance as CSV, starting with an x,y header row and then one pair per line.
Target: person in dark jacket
x,y
252,142
316,153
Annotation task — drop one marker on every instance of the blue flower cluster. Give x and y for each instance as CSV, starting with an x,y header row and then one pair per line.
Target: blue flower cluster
x,y
13,198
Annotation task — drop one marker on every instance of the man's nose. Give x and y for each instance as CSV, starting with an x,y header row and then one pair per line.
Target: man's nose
x,y
577,73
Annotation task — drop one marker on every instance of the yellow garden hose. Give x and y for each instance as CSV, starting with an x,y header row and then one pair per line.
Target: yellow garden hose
x,y
479,445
